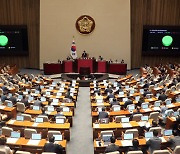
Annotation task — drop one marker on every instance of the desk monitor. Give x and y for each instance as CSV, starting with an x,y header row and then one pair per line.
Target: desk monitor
x,y
121,93
41,87
116,108
43,99
60,121
178,100
35,107
58,137
55,100
125,99
148,134
10,95
20,118
104,121
106,137
128,136
15,134
126,86
157,95
37,92
132,91
168,101
99,101
10,104
99,109
125,120
66,109
115,84
51,88
30,98
157,104
144,118
36,136
167,132
59,94
48,93
141,91
145,106
137,98
39,120
50,108
20,97
176,113
61,89
131,107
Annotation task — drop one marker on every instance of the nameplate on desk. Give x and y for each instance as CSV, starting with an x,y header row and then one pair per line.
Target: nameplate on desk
x,y
142,123
126,125
156,108
126,143
100,104
33,142
2,107
12,140
63,104
35,124
54,103
11,121
147,110
96,125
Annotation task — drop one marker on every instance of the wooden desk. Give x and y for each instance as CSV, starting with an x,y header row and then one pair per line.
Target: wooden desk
x,y
9,111
20,125
170,121
26,144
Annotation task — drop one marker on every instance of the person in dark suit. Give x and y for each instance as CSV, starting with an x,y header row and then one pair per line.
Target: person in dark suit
x,y
175,140
37,102
43,112
13,99
84,54
110,95
4,97
154,143
103,114
146,91
162,96
59,112
135,146
52,147
112,147
114,102
128,102
25,100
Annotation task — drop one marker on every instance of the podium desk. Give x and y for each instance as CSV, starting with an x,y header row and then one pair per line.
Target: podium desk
x,y
101,67
68,66
85,63
52,68
117,68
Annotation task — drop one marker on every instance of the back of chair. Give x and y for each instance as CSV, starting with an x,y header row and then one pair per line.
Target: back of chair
x,y
22,152
115,152
154,116
161,152
177,150
137,117
135,152
20,107
3,151
51,133
107,132
45,118
6,131
118,118
104,120
28,132
156,128
27,117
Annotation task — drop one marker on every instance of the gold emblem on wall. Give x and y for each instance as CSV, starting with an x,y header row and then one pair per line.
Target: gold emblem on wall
x,y
85,24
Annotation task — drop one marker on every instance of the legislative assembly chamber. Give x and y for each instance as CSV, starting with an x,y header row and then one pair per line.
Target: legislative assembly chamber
x,y
89,77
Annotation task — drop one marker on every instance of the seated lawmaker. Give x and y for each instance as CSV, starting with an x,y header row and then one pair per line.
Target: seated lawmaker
x,y
112,147
84,54
103,114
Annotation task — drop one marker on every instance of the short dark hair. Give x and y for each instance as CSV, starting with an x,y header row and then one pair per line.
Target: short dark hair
x,y
3,141
103,109
154,123
175,132
51,139
155,132
113,140
135,143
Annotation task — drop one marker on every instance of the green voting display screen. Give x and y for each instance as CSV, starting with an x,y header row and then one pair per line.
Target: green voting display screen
x,y
13,40
161,40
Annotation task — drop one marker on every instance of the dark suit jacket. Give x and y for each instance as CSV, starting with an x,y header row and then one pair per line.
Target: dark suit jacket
x,y
111,148
103,114
154,144
162,97
13,100
51,147
128,102
174,141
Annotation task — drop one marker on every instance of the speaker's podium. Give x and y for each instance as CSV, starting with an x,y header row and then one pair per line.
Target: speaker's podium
x,y
85,66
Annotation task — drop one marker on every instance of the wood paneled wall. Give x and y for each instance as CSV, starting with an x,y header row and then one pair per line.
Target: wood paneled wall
x,y
151,12
22,12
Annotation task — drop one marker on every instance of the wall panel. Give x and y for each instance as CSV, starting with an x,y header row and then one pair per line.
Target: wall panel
x,y
22,12
151,12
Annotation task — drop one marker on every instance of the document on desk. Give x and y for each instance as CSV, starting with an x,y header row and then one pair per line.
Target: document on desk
x,y
147,110
126,143
142,123
156,108
2,107
126,125
33,142
170,105
12,140
163,139
35,124
96,125
54,103
11,122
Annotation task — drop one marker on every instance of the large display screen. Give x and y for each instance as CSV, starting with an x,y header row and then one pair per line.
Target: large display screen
x,y
13,40
161,40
